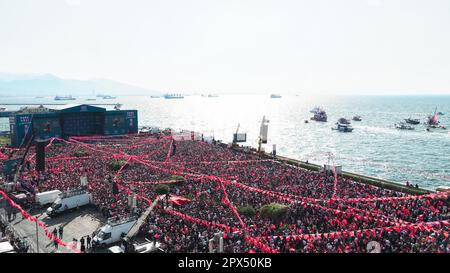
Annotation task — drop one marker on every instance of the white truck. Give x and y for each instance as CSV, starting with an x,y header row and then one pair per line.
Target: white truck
x,y
47,197
70,200
113,231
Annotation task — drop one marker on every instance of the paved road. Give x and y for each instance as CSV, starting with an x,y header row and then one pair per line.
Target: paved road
x,y
76,224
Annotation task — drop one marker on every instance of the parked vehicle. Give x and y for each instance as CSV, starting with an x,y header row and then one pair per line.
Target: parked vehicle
x,y
68,201
47,197
113,231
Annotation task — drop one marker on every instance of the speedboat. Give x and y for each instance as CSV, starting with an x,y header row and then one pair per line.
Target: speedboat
x,y
341,127
412,121
213,96
403,126
3,109
275,96
357,118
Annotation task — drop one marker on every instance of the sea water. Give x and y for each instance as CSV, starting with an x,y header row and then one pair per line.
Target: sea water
x,y
375,147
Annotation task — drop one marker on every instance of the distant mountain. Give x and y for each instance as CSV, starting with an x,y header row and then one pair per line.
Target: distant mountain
x,y
50,85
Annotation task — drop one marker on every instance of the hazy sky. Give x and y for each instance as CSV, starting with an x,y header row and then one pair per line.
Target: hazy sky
x,y
367,46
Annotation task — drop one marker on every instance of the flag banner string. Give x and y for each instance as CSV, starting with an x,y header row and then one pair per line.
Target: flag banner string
x,y
40,224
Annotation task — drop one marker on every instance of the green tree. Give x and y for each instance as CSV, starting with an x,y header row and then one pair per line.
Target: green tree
x,y
273,211
161,189
248,211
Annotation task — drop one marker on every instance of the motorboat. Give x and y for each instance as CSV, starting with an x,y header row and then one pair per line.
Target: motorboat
x,y
357,118
341,127
319,115
213,96
154,97
412,121
117,106
403,126
343,121
275,96
3,109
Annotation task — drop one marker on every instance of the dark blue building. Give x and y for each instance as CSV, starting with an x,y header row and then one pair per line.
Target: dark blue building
x,y
81,120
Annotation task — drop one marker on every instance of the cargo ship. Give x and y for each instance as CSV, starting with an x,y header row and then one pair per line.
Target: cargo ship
x,y
173,96
65,98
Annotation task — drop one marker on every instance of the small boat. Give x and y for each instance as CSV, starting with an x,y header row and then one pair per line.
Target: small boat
x,y
357,118
343,121
319,115
341,127
173,96
412,121
440,113
65,98
117,106
403,126
3,109
154,97
306,121
107,97
213,96
275,96
39,97
91,99
433,122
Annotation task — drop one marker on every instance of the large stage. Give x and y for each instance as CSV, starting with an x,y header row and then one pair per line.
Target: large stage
x,y
81,120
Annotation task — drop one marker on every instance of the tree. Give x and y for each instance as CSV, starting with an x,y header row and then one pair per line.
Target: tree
x,y
273,211
161,189
115,165
248,211
80,153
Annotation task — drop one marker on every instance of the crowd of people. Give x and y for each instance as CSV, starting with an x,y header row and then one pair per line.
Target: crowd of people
x,y
322,213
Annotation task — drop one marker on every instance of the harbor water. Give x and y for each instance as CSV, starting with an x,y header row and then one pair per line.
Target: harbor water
x,y
375,147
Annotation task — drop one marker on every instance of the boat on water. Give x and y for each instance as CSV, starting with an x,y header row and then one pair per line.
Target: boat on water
x,y
319,115
213,96
173,96
3,109
343,121
65,98
154,97
342,127
357,118
440,113
108,97
91,99
413,121
433,122
403,126
275,96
